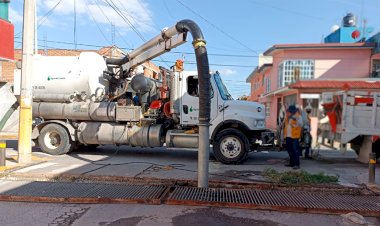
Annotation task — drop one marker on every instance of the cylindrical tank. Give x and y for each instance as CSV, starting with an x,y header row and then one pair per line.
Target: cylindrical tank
x,y
69,75
82,111
179,139
111,133
349,20
4,6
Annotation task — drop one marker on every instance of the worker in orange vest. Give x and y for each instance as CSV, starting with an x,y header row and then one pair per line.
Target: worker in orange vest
x,y
292,131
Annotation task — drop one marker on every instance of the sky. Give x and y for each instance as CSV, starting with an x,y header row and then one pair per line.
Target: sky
x,y
236,31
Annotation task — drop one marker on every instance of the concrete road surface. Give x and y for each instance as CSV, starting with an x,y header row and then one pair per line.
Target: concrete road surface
x,y
134,214
164,163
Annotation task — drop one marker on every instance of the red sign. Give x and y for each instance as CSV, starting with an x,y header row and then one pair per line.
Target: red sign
x,y
6,40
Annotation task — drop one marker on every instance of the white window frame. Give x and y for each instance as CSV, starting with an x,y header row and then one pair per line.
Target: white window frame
x,y
267,84
286,71
267,109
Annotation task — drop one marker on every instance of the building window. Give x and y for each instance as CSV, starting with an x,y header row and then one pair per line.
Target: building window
x,y
290,71
376,68
267,85
267,109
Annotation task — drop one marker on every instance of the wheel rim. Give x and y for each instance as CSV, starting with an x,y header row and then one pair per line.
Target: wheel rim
x,y
230,147
52,140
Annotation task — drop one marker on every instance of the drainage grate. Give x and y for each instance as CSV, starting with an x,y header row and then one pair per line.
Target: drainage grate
x,y
87,191
299,201
276,200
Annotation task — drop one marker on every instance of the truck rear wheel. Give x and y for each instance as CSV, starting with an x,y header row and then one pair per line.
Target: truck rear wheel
x,y
55,140
231,146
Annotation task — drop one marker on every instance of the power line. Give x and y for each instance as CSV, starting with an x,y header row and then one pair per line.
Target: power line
x,y
194,63
211,54
137,20
105,15
126,20
216,27
96,23
44,17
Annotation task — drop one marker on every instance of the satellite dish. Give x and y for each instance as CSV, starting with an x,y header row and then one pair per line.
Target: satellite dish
x,y
334,28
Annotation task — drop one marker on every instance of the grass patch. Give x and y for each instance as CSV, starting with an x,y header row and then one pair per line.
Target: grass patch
x,y
298,177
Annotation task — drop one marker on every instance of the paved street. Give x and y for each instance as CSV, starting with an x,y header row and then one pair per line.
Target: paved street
x,y
131,214
182,164
170,164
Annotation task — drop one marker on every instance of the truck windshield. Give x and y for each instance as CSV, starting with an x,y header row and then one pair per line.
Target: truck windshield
x,y
222,88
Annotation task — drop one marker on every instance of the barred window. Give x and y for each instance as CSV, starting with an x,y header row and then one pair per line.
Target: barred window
x,y
267,109
290,71
267,85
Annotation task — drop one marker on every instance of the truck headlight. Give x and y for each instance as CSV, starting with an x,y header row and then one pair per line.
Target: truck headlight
x,y
259,109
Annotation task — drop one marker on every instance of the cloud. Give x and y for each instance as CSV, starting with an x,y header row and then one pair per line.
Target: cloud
x,y
136,12
227,71
14,16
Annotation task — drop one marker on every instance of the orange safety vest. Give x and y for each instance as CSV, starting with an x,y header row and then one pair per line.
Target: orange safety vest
x,y
296,130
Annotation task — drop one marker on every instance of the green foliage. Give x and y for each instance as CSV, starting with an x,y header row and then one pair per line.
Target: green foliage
x,y
298,177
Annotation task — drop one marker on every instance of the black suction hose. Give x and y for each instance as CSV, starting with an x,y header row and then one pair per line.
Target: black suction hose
x,y
202,66
117,61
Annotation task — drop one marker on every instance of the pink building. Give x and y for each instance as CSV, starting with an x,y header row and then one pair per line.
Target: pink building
x,y
287,80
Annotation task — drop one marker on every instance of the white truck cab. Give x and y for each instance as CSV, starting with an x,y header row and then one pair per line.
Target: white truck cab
x,y
235,125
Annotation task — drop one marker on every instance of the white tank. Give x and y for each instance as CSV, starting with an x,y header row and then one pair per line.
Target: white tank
x,y
69,75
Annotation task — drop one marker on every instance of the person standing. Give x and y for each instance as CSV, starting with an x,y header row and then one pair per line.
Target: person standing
x,y
307,139
292,131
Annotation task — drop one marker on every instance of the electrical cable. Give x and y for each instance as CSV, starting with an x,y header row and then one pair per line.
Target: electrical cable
x,y
216,27
156,167
126,20
44,17
96,23
105,15
190,53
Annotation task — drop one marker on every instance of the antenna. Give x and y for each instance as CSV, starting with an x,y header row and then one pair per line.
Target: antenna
x,y
364,29
362,13
113,33
45,43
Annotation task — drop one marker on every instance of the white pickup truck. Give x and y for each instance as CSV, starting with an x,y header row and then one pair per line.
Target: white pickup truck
x,y
354,117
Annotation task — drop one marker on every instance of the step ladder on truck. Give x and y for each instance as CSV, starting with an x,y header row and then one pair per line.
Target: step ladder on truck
x,y
353,118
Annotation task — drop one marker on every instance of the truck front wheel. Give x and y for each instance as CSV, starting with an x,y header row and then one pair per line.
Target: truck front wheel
x,y
55,140
230,146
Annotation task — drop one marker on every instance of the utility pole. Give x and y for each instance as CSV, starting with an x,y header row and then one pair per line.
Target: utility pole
x,y
25,126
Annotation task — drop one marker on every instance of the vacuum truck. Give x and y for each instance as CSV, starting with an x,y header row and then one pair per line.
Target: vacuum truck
x,y
91,100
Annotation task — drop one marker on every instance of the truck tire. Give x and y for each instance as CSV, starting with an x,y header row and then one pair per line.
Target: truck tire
x,y
231,146
55,140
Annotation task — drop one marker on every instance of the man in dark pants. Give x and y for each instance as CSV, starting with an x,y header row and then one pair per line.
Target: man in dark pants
x,y
292,131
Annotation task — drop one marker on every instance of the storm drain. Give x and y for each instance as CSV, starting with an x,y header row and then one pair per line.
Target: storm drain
x,y
276,200
298,201
87,192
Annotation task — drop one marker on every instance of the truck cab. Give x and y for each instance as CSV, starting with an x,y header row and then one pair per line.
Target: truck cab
x,y
235,126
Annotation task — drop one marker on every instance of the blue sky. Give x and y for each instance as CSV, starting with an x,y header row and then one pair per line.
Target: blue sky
x,y
240,29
